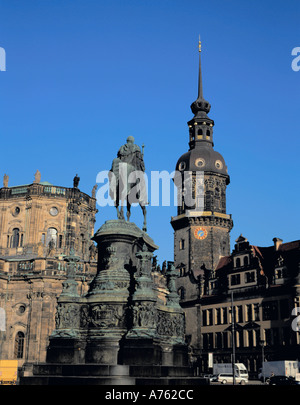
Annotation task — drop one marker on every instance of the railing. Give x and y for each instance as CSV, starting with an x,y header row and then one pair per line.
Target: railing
x,y
42,189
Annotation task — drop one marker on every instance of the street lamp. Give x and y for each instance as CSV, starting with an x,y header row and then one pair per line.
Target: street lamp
x,y
262,344
233,338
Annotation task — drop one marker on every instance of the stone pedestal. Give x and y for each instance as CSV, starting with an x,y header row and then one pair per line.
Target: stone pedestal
x,y
95,324
124,320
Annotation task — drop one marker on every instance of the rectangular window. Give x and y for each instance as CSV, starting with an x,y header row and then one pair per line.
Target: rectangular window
x,y
249,313
250,338
268,337
224,315
235,279
284,309
205,341
210,316
219,340
218,316
256,312
204,317
239,313
270,311
181,244
225,340
249,276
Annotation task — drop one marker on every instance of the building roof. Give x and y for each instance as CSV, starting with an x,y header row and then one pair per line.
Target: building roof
x,y
265,253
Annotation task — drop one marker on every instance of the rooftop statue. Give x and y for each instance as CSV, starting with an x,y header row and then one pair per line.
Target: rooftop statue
x,y
127,181
37,176
76,181
5,180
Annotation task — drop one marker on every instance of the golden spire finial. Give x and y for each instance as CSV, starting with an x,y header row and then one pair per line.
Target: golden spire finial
x,y
199,44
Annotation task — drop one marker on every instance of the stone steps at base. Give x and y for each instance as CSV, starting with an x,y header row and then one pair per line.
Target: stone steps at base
x,y
103,374
59,380
174,381
84,370
89,370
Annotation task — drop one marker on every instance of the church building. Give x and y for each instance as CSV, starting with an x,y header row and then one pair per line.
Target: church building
x,y
40,223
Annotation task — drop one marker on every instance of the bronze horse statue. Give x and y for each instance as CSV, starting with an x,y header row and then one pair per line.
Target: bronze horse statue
x,y
126,180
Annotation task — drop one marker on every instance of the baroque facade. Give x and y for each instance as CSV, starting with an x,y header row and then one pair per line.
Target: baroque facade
x,y
39,225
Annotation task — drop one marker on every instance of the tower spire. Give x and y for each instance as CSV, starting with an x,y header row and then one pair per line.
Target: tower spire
x,y
200,105
200,89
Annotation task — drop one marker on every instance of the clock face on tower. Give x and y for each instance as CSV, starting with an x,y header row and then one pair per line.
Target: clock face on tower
x,y
200,233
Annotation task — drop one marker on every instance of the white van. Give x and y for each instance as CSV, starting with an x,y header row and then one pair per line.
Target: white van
x,y
225,378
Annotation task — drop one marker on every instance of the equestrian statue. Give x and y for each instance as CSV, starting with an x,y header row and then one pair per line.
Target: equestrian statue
x,y
127,180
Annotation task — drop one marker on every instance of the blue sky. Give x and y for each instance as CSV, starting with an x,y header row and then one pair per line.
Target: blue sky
x,y
82,75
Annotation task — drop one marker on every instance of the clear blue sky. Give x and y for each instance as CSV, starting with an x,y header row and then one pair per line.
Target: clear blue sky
x,y
82,75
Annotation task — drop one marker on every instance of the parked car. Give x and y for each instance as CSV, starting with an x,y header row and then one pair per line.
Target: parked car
x,y
282,380
225,378
211,377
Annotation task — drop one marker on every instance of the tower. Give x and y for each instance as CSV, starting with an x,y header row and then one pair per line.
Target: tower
x,y
201,227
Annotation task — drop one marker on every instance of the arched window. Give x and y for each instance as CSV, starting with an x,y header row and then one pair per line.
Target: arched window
x,y
208,133
51,236
19,345
246,261
14,242
60,241
238,262
217,199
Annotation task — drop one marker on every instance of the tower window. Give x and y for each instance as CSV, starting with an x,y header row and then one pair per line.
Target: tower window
x,y
14,242
181,244
19,345
51,236
60,241
43,238
208,133
200,134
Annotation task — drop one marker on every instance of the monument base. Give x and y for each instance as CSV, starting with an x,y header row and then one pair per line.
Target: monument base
x,y
126,329
140,352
